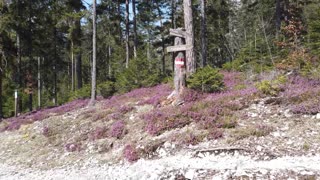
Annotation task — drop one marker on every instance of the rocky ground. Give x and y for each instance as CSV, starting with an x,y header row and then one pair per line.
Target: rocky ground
x,y
268,143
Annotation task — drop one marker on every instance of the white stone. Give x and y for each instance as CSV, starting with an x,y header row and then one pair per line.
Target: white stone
x,y
287,113
190,174
318,116
259,148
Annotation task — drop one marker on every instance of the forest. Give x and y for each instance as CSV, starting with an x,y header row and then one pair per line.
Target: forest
x,y
46,53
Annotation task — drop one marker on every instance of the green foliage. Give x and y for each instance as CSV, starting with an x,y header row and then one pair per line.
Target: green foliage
x,y
84,92
206,79
266,87
271,87
106,89
140,73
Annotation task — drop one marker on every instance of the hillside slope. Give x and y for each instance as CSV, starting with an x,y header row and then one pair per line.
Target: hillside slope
x,y
239,133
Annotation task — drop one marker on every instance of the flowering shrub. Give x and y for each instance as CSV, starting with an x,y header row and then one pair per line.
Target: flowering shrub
x,y
98,133
125,109
117,129
130,153
158,120
15,123
215,133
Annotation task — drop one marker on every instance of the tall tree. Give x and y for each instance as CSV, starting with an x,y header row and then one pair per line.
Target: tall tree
x,y
135,35
188,22
203,33
94,54
127,34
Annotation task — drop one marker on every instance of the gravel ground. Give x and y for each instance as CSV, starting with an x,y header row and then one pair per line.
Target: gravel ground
x,y
187,166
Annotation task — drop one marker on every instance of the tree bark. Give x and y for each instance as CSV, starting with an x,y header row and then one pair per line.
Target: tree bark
x,y
203,34
55,68
94,55
127,34
135,43
39,82
188,22
72,67
1,74
78,68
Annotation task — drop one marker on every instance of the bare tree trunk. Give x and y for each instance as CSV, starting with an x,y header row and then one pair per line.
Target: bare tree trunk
x,y
19,71
127,34
135,44
39,82
72,68
188,22
55,69
94,55
1,74
203,34
30,53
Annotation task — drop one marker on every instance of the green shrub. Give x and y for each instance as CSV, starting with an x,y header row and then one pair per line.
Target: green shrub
x,y
106,89
271,87
84,92
140,73
206,79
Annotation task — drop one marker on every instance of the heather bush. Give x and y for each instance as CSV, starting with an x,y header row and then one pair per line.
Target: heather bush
x,y
117,129
130,153
215,133
159,120
98,133
207,80
125,109
106,89
15,123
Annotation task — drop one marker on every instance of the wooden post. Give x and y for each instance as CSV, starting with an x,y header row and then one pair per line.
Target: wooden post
x,y
188,22
180,71
16,103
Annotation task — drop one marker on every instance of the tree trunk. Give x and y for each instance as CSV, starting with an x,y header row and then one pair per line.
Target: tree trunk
x,y
203,34
179,72
55,68
127,34
30,52
78,67
1,74
20,85
135,44
72,67
39,82
188,22
94,55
